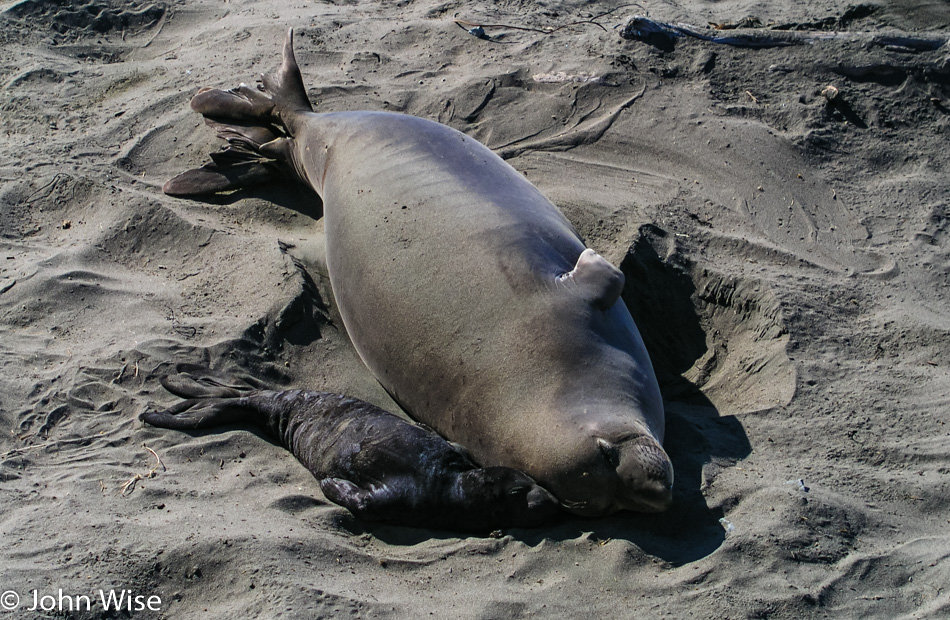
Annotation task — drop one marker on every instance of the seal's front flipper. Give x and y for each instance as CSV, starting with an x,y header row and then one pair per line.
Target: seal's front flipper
x,y
347,494
596,279
195,413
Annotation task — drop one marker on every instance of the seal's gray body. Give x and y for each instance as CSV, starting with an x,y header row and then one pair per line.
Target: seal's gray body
x,y
469,295
444,262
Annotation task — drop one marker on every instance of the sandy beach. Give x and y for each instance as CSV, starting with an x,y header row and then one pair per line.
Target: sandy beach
x,y
786,249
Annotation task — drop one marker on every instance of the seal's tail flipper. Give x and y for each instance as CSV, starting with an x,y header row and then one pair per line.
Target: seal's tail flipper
x,y
186,386
195,381
286,84
199,413
214,399
254,122
280,94
215,177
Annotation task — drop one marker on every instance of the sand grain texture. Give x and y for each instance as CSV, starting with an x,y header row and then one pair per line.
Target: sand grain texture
x,y
787,261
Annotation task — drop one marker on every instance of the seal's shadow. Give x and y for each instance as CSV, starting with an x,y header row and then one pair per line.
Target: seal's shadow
x,y
661,294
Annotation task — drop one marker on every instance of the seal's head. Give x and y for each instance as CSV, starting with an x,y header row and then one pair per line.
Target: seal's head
x,y
644,473
611,472
501,495
594,424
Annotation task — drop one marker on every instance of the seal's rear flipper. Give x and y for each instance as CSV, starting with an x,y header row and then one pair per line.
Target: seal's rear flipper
x,y
254,122
195,413
280,94
197,381
187,386
212,179
252,156
286,84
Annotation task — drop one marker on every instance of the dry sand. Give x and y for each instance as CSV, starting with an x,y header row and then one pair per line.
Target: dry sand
x,y
787,260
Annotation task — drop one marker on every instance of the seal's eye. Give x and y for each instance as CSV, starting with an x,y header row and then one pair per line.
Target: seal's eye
x,y
518,491
610,452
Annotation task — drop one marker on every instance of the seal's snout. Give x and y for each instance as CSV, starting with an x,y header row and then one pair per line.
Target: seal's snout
x,y
646,475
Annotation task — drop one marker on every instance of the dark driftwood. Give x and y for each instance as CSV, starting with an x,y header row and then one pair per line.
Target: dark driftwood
x,y
663,34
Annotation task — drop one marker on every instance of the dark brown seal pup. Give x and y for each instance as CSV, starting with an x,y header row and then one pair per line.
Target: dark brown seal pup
x,y
465,291
371,462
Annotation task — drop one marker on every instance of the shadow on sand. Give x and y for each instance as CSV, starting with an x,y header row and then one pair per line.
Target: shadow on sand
x,y
661,296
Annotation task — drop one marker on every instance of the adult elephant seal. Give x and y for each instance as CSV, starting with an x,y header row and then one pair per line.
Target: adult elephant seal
x,y
371,462
466,292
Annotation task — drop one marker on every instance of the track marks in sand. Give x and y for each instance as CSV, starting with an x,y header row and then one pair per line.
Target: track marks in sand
x,y
69,23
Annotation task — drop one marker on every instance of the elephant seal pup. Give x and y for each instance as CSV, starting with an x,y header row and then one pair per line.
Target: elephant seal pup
x,y
466,292
371,462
